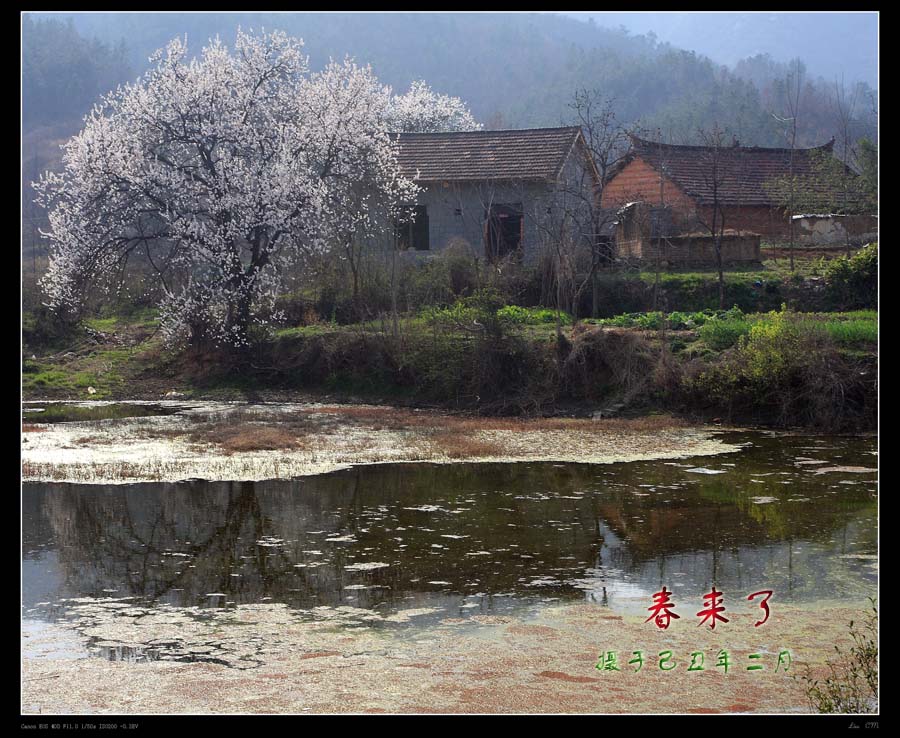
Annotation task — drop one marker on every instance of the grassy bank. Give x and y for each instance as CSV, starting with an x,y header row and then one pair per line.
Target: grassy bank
x,y
794,347
822,280
782,367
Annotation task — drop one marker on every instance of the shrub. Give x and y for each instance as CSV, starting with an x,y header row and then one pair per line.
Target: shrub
x,y
788,374
602,364
471,355
679,321
723,331
852,682
441,279
853,283
43,327
296,309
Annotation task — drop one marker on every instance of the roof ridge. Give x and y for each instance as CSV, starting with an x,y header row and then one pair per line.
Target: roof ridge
x,y
637,140
486,132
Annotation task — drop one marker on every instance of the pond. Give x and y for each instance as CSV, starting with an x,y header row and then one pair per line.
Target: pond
x,y
790,513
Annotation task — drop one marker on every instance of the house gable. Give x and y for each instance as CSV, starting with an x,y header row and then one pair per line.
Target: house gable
x,y
639,180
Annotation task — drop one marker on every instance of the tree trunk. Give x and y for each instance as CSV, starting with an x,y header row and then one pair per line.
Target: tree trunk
x,y
791,243
238,323
395,321
721,276
354,279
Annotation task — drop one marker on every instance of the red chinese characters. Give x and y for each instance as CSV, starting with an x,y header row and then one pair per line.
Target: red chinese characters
x,y
713,606
768,593
660,611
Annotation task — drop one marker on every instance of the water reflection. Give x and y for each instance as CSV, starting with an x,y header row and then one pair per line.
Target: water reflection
x,y
468,537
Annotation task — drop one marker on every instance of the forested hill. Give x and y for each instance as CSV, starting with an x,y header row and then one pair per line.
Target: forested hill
x,y
834,45
516,70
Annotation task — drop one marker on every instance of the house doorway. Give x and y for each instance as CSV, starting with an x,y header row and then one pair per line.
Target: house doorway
x,y
502,230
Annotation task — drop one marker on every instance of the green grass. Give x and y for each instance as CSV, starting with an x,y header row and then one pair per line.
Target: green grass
x,y
853,331
871,315
769,270
303,331
133,355
846,329
106,325
842,327
722,333
655,320
720,330
138,318
533,315
74,379
70,364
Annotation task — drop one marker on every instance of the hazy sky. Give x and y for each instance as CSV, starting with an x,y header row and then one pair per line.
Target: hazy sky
x,y
831,44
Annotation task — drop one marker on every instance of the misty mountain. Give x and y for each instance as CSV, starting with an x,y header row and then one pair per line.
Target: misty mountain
x,y
833,45
513,70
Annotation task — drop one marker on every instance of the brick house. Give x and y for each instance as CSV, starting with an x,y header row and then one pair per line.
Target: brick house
x,y
500,193
679,177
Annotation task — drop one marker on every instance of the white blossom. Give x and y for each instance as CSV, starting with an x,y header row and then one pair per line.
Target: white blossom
x,y
221,170
422,110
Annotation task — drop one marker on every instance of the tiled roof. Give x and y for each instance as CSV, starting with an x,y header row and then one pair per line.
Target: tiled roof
x,y
745,169
531,153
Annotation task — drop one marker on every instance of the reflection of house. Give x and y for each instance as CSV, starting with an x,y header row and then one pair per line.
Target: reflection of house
x,y
683,178
498,191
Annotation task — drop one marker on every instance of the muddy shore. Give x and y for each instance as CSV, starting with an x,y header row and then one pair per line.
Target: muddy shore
x,y
215,441
485,664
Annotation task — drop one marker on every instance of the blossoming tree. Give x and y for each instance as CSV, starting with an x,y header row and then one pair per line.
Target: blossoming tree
x,y
219,171
421,110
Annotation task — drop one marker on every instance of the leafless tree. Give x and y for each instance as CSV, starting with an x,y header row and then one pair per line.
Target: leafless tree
x,y
661,240
608,142
717,163
793,85
843,106
565,235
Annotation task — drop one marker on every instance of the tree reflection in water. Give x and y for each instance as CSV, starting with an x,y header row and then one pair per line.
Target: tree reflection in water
x,y
528,530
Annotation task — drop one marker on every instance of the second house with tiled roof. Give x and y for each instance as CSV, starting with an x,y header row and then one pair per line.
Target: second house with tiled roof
x,y
687,179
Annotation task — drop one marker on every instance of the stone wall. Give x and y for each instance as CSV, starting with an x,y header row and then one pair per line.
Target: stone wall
x,y
692,250
824,230
770,223
643,236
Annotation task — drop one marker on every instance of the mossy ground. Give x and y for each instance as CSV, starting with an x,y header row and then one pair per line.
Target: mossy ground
x,y
481,664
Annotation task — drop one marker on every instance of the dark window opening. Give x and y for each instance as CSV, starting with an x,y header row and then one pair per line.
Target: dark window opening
x,y
605,250
502,230
413,233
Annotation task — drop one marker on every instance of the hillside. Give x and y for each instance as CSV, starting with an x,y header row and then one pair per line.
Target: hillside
x,y
514,70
